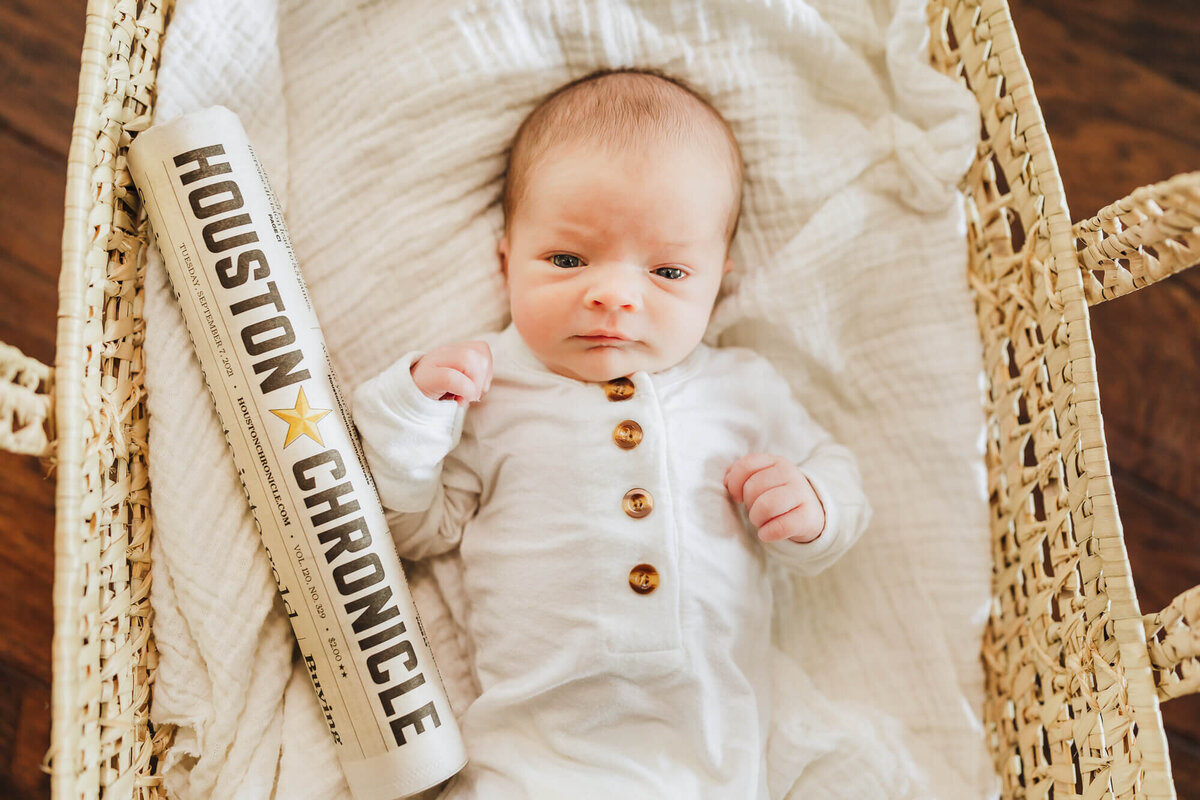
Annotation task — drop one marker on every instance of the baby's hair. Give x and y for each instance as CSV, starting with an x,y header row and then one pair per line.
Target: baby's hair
x,y
620,108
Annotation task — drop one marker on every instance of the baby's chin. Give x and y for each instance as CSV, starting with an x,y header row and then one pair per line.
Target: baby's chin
x,y
600,364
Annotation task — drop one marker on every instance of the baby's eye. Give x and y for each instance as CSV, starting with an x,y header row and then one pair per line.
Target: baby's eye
x,y
670,273
565,261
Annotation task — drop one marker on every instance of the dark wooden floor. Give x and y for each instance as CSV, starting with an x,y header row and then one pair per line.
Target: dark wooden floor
x,y
1119,83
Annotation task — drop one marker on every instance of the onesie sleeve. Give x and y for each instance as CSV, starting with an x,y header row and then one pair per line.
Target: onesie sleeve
x,y
419,458
830,467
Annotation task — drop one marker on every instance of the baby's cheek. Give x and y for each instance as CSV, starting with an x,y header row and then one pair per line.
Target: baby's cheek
x,y
537,316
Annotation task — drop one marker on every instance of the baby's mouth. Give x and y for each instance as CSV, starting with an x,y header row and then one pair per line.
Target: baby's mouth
x,y
603,339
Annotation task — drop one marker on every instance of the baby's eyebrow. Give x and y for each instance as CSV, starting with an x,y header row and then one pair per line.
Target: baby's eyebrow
x,y
570,229
588,235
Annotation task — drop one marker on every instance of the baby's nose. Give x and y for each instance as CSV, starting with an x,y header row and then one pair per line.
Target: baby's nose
x,y
613,291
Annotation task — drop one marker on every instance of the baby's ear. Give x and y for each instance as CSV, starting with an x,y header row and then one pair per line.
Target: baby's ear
x,y
502,251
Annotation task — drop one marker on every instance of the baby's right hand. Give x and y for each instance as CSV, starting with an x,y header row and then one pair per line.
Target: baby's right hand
x,y
460,372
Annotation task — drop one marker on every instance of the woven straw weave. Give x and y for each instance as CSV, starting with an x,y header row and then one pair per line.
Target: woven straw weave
x,y
104,656
25,408
1073,670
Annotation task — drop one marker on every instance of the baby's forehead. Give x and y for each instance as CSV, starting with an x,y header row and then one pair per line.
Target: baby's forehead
x,y
653,161
653,154
619,113
661,201
625,110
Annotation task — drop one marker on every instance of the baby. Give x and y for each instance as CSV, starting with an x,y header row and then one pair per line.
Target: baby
x,y
616,487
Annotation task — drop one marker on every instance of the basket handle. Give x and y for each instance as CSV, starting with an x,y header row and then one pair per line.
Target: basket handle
x,y
26,413
1173,638
1140,239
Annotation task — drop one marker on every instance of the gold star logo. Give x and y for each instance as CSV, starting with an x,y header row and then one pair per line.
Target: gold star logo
x,y
302,420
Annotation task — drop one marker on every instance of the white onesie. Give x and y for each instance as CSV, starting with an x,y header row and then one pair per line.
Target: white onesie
x,y
619,605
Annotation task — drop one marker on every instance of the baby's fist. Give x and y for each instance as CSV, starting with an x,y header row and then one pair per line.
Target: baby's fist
x,y
460,372
780,501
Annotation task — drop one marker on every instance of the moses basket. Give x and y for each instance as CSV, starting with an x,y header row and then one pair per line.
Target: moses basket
x,y
1074,671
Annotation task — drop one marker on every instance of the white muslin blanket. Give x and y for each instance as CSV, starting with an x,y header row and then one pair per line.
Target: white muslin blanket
x,y
383,128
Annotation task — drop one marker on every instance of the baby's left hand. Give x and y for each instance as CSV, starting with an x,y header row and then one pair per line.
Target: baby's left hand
x,y
781,502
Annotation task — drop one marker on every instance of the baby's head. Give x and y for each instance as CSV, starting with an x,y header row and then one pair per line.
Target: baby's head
x,y
621,199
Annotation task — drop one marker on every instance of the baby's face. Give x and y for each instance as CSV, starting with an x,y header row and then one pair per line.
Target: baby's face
x,y
613,261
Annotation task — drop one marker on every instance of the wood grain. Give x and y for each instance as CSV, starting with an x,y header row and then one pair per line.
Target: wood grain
x,y
24,734
30,239
40,66
1119,84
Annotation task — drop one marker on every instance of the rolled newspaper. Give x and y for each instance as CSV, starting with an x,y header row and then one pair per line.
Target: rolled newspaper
x,y
227,250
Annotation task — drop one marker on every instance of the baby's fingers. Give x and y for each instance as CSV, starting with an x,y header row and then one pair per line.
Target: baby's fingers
x,y
774,503
778,473
802,523
741,470
474,359
461,359
449,381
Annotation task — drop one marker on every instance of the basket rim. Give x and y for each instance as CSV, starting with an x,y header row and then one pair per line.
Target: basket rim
x,y
69,389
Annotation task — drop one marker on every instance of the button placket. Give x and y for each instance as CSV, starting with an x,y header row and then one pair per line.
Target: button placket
x,y
643,615
628,434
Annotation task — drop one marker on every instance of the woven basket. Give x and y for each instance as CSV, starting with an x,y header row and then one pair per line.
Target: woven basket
x,y
1074,672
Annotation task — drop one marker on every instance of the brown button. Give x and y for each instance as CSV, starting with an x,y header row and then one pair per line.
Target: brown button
x,y
627,434
643,579
619,389
637,503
